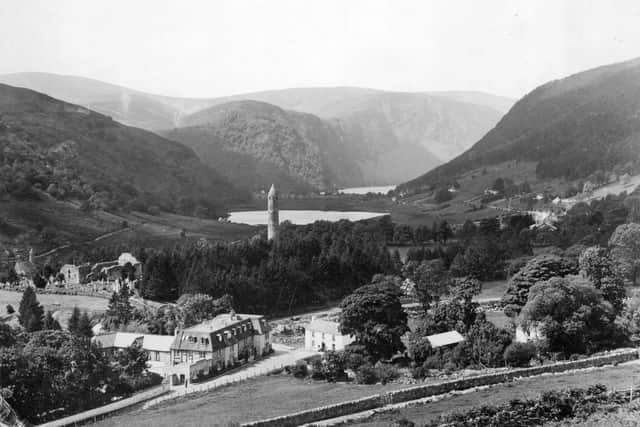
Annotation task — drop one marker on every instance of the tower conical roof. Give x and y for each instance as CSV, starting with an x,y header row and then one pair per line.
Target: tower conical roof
x,y
272,190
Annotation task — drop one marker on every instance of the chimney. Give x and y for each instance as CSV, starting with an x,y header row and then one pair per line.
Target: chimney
x,y
31,255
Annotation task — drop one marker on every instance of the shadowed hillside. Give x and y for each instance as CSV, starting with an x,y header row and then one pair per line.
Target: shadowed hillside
x,y
571,127
49,148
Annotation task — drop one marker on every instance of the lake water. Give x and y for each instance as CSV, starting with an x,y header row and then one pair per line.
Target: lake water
x,y
381,189
300,217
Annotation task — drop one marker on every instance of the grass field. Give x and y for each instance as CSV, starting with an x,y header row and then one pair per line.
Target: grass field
x,y
619,377
251,400
62,303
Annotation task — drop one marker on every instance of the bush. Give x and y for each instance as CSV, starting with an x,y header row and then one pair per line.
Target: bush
x,y
317,372
10,309
299,370
386,373
420,372
519,354
433,362
366,374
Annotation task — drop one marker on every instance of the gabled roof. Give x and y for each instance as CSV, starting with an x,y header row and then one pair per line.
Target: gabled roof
x,y
445,338
324,326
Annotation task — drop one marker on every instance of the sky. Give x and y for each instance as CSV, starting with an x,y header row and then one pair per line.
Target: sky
x,y
214,48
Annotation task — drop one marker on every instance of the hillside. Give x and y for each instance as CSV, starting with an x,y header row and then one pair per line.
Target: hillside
x,y
52,149
363,136
253,142
572,128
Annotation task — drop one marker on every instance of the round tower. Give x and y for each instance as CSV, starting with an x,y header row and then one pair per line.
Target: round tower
x,y
272,211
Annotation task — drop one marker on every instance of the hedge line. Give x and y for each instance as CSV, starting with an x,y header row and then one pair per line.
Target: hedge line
x,y
419,392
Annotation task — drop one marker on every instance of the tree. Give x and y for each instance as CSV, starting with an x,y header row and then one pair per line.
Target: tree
x,y
571,315
8,336
39,281
119,309
31,313
444,231
373,314
482,259
73,325
488,342
537,269
431,281
596,264
443,195
84,326
196,308
51,323
624,246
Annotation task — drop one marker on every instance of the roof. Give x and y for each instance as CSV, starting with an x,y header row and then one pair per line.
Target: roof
x,y
445,338
126,339
325,326
117,339
157,342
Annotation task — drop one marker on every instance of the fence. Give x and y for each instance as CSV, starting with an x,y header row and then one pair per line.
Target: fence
x,y
419,392
94,415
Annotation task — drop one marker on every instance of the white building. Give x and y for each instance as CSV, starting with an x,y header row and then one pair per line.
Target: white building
x,y
323,335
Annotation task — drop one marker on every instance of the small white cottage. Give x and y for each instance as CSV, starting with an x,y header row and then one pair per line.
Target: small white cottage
x,y
323,335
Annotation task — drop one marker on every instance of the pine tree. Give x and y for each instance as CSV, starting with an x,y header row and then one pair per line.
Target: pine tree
x,y
50,322
74,321
31,312
124,307
84,326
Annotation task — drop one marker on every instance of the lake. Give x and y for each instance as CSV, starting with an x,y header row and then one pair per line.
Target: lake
x,y
381,189
300,217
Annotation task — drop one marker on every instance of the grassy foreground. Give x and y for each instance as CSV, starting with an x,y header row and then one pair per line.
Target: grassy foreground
x,y
252,400
617,377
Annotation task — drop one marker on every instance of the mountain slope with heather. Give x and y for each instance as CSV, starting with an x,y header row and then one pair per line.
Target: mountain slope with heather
x,y
53,149
571,128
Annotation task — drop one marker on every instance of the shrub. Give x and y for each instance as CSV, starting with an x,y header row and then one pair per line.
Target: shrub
x,y
433,362
317,372
519,354
10,309
299,370
449,367
420,372
366,374
386,373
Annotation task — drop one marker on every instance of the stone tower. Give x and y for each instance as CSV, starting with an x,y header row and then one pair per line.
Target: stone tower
x,y
272,211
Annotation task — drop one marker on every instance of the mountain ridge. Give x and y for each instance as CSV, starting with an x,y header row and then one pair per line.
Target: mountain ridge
x,y
571,127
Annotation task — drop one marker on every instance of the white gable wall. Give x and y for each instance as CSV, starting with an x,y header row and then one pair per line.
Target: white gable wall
x,y
314,340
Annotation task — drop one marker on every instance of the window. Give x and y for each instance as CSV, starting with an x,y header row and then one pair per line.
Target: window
x,y
157,356
190,356
203,355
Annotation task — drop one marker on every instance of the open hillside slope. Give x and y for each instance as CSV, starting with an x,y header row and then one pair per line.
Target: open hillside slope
x,y
49,148
254,143
356,136
377,138
571,128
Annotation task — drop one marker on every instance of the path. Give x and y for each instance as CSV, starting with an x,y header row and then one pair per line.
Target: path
x,y
95,239
282,357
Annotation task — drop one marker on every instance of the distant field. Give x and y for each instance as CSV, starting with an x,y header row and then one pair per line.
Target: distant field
x,y
62,303
255,399
619,377
493,290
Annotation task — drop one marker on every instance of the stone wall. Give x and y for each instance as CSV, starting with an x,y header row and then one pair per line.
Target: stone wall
x,y
422,391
